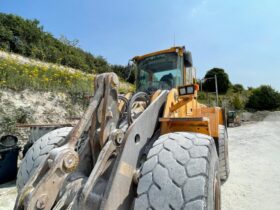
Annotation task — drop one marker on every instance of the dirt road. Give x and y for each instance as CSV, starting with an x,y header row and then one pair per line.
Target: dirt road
x,y
254,182
8,195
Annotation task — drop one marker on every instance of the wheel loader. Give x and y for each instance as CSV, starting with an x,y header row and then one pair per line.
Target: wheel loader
x,y
233,119
158,148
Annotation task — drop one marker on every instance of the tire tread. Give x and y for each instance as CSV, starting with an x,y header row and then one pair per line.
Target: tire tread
x,y
38,152
187,153
223,158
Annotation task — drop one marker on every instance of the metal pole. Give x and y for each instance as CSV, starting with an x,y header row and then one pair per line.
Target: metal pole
x,y
216,85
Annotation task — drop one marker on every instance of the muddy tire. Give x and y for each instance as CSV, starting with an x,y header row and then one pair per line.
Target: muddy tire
x,y
38,153
181,172
223,154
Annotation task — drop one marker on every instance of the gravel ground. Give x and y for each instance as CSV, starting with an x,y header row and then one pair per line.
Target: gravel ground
x,y
8,193
254,183
254,154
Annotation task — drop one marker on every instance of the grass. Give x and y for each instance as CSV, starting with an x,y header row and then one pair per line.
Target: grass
x,y
231,100
17,76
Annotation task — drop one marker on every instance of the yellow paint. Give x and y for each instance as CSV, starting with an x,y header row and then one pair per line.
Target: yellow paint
x,y
178,50
184,113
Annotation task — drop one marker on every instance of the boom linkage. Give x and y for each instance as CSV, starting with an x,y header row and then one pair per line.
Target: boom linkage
x,y
99,122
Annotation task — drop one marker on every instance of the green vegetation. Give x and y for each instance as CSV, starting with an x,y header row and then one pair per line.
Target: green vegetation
x,y
230,100
252,99
18,76
237,88
222,80
237,102
27,37
124,73
25,76
230,96
264,98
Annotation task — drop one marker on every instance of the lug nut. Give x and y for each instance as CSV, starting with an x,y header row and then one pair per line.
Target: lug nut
x,y
70,162
117,136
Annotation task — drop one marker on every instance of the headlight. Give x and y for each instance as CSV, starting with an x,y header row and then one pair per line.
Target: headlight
x,y
182,91
186,90
190,90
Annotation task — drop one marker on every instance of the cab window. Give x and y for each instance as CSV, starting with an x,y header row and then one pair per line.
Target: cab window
x,y
159,72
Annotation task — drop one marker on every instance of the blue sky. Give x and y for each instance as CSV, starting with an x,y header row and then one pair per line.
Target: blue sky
x,y
243,37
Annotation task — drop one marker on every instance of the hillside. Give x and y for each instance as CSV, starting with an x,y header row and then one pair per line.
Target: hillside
x,y
32,91
19,73
33,107
28,38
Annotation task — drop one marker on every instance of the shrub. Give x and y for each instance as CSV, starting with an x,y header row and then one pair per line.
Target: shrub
x,y
237,103
264,98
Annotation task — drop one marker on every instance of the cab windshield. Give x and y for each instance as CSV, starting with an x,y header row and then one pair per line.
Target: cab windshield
x,y
161,71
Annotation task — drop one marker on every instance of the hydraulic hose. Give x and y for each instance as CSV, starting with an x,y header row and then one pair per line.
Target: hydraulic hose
x,y
140,96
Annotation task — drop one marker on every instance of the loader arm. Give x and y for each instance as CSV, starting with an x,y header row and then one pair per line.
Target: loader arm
x,y
119,193
109,148
100,121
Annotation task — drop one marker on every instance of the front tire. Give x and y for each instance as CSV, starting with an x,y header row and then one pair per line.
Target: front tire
x,y
39,152
181,172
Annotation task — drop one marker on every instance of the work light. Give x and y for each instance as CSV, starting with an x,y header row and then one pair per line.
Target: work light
x,y
186,90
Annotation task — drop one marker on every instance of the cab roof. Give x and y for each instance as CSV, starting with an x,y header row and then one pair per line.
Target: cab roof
x,y
180,50
172,49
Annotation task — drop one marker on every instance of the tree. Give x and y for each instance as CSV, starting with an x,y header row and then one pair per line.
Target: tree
x,y
250,88
124,72
222,80
264,98
237,88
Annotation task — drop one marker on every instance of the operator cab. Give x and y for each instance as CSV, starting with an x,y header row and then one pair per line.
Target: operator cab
x,y
164,70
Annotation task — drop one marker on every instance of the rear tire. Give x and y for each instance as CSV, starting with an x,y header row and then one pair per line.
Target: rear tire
x,y
181,172
223,154
38,153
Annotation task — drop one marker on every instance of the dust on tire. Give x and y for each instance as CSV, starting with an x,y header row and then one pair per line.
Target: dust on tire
x,y
179,173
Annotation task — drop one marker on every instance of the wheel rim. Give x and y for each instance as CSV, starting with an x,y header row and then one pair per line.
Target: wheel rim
x,y
217,193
